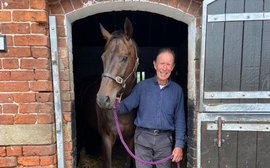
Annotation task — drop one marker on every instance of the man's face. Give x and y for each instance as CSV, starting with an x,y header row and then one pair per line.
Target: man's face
x,y
164,65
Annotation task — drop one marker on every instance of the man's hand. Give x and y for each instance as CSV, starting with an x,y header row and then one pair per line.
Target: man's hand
x,y
177,154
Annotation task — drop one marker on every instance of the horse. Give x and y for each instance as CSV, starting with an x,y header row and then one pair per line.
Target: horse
x,y
120,63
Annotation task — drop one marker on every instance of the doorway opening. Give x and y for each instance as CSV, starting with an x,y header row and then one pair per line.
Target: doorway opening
x,y
151,32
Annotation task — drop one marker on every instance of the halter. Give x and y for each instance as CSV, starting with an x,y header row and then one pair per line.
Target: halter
x,y
119,79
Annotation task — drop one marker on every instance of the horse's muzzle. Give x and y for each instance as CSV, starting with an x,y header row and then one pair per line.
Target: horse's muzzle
x,y
104,102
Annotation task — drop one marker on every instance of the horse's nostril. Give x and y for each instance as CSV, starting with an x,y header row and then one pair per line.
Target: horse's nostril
x,y
106,99
103,101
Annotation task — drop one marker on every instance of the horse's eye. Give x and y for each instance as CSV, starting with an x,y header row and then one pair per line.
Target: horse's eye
x,y
124,58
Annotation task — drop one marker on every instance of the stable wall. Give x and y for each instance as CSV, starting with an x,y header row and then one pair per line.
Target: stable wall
x,y
27,129
26,99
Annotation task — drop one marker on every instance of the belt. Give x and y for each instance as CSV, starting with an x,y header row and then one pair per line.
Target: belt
x,y
155,131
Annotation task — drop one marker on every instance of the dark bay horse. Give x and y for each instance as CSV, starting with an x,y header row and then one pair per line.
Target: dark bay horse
x,y
120,63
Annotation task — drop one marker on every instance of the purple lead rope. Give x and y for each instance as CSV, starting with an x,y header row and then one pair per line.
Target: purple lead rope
x,y
116,107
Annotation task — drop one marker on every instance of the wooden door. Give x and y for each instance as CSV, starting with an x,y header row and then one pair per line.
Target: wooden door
x,y
234,119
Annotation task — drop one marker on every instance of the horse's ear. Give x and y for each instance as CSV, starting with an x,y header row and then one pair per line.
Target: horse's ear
x,y
104,32
128,28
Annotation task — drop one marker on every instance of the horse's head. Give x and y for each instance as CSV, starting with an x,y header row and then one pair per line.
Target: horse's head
x,y
120,63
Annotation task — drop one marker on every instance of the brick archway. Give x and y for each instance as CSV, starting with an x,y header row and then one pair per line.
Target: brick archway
x,y
66,12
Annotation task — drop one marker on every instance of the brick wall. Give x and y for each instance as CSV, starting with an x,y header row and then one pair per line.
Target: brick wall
x,y
25,76
26,97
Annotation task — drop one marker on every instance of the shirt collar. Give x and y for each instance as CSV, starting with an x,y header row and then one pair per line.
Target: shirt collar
x,y
156,82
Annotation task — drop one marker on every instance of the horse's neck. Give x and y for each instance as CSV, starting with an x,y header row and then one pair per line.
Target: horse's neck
x,y
129,86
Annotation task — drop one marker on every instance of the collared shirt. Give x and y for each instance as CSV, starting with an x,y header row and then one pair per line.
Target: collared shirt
x,y
158,108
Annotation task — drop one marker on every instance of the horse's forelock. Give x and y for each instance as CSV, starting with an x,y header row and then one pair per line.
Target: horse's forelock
x,y
120,35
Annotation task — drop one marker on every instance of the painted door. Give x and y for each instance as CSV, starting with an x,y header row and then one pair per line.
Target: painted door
x,y
234,118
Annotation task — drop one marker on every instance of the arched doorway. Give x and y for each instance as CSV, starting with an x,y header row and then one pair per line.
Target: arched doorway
x,y
146,9
151,32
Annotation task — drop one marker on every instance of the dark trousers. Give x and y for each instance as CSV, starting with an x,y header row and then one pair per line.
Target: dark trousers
x,y
153,145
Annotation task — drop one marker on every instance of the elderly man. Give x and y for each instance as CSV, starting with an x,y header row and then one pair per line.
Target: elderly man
x,y
160,114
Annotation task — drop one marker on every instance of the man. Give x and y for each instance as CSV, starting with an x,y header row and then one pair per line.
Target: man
x,y
160,113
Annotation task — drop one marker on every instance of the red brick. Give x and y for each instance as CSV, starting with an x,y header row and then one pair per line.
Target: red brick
x,y
194,8
199,23
34,63
31,40
63,53
28,108
44,97
42,63
39,150
173,3
69,164
34,16
14,151
4,76
39,29
38,4
61,32
68,155
65,96
68,146
67,6
67,106
60,20
4,54
14,86
6,119
77,4
22,75
184,5
5,16
46,108
38,52
9,40
28,63
64,64
19,51
8,161
25,119
64,75
45,119
42,75
65,85
62,42
24,97
10,108
15,28
56,9
2,151
6,98
15,4
41,86
67,116
29,160
47,160
10,63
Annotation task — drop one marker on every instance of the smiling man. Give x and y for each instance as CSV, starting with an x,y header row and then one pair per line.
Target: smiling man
x,y
160,114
